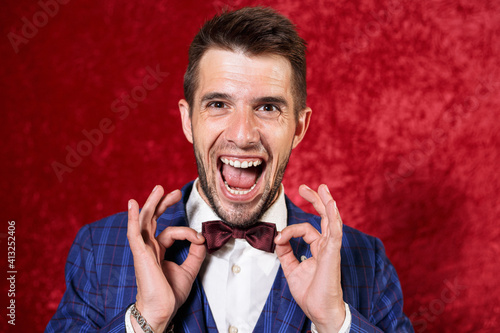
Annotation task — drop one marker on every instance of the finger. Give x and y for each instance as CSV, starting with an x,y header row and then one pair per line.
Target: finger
x,y
326,199
149,207
311,196
286,257
171,234
304,230
335,224
167,201
133,226
196,255
324,194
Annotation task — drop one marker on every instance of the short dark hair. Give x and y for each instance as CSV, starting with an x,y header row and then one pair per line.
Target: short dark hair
x,y
253,30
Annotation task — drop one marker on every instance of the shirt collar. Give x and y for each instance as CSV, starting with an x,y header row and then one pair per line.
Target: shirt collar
x,y
198,211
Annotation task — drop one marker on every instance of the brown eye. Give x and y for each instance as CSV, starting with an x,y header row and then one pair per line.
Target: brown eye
x,y
269,108
217,105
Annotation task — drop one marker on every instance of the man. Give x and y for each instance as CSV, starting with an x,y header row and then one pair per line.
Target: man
x,y
245,110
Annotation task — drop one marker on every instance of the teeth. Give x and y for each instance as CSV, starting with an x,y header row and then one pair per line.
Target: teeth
x,y
239,164
236,192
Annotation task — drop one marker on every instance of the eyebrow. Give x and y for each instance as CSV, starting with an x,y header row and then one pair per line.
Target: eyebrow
x,y
271,99
214,95
259,100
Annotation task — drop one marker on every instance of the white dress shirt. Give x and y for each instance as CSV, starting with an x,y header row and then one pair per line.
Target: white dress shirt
x,y
237,278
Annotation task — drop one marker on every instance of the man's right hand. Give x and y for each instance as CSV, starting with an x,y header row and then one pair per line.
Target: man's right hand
x,y
162,286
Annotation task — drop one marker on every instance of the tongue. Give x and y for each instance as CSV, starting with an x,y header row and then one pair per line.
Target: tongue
x,y
239,178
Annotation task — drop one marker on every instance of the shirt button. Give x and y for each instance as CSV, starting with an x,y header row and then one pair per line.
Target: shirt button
x,y
236,269
303,258
233,329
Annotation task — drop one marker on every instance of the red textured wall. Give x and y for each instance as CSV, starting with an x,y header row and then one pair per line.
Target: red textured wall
x,y
405,130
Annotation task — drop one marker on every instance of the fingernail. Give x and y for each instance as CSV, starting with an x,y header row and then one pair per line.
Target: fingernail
x,y
279,236
129,204
307,187
327,189
154,188
199,235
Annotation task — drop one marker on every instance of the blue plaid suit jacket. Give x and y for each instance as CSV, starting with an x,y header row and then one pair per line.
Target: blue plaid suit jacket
x,y
100,282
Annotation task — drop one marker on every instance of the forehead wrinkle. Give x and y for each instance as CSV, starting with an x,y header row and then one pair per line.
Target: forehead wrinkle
x,y
229,84
245,75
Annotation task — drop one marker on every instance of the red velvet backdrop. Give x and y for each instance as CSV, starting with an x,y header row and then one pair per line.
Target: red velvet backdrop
x,y
405,96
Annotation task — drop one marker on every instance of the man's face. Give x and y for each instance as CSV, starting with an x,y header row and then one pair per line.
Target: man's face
x,y
243,129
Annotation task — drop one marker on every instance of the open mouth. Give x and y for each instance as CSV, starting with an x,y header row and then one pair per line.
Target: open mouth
x,y
241,175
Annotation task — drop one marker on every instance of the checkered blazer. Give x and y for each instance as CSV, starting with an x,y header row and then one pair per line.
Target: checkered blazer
x,y
100,282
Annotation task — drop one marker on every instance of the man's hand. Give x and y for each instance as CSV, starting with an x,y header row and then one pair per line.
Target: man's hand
x,y
162,286
315,282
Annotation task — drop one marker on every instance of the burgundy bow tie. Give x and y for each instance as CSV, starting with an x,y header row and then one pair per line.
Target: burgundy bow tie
x,y
260,235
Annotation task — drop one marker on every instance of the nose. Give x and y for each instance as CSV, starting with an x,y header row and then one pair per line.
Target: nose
x,y
242,129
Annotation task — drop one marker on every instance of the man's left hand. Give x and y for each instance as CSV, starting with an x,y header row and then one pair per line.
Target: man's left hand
x,y
315,282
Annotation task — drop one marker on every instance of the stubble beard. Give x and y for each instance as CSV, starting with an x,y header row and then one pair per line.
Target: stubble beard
x,y
239,216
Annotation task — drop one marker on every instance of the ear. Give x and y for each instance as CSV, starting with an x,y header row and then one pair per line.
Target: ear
x,y
302,126
186,120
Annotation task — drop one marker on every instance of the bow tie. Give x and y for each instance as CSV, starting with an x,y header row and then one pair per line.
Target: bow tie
x,y
259,235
